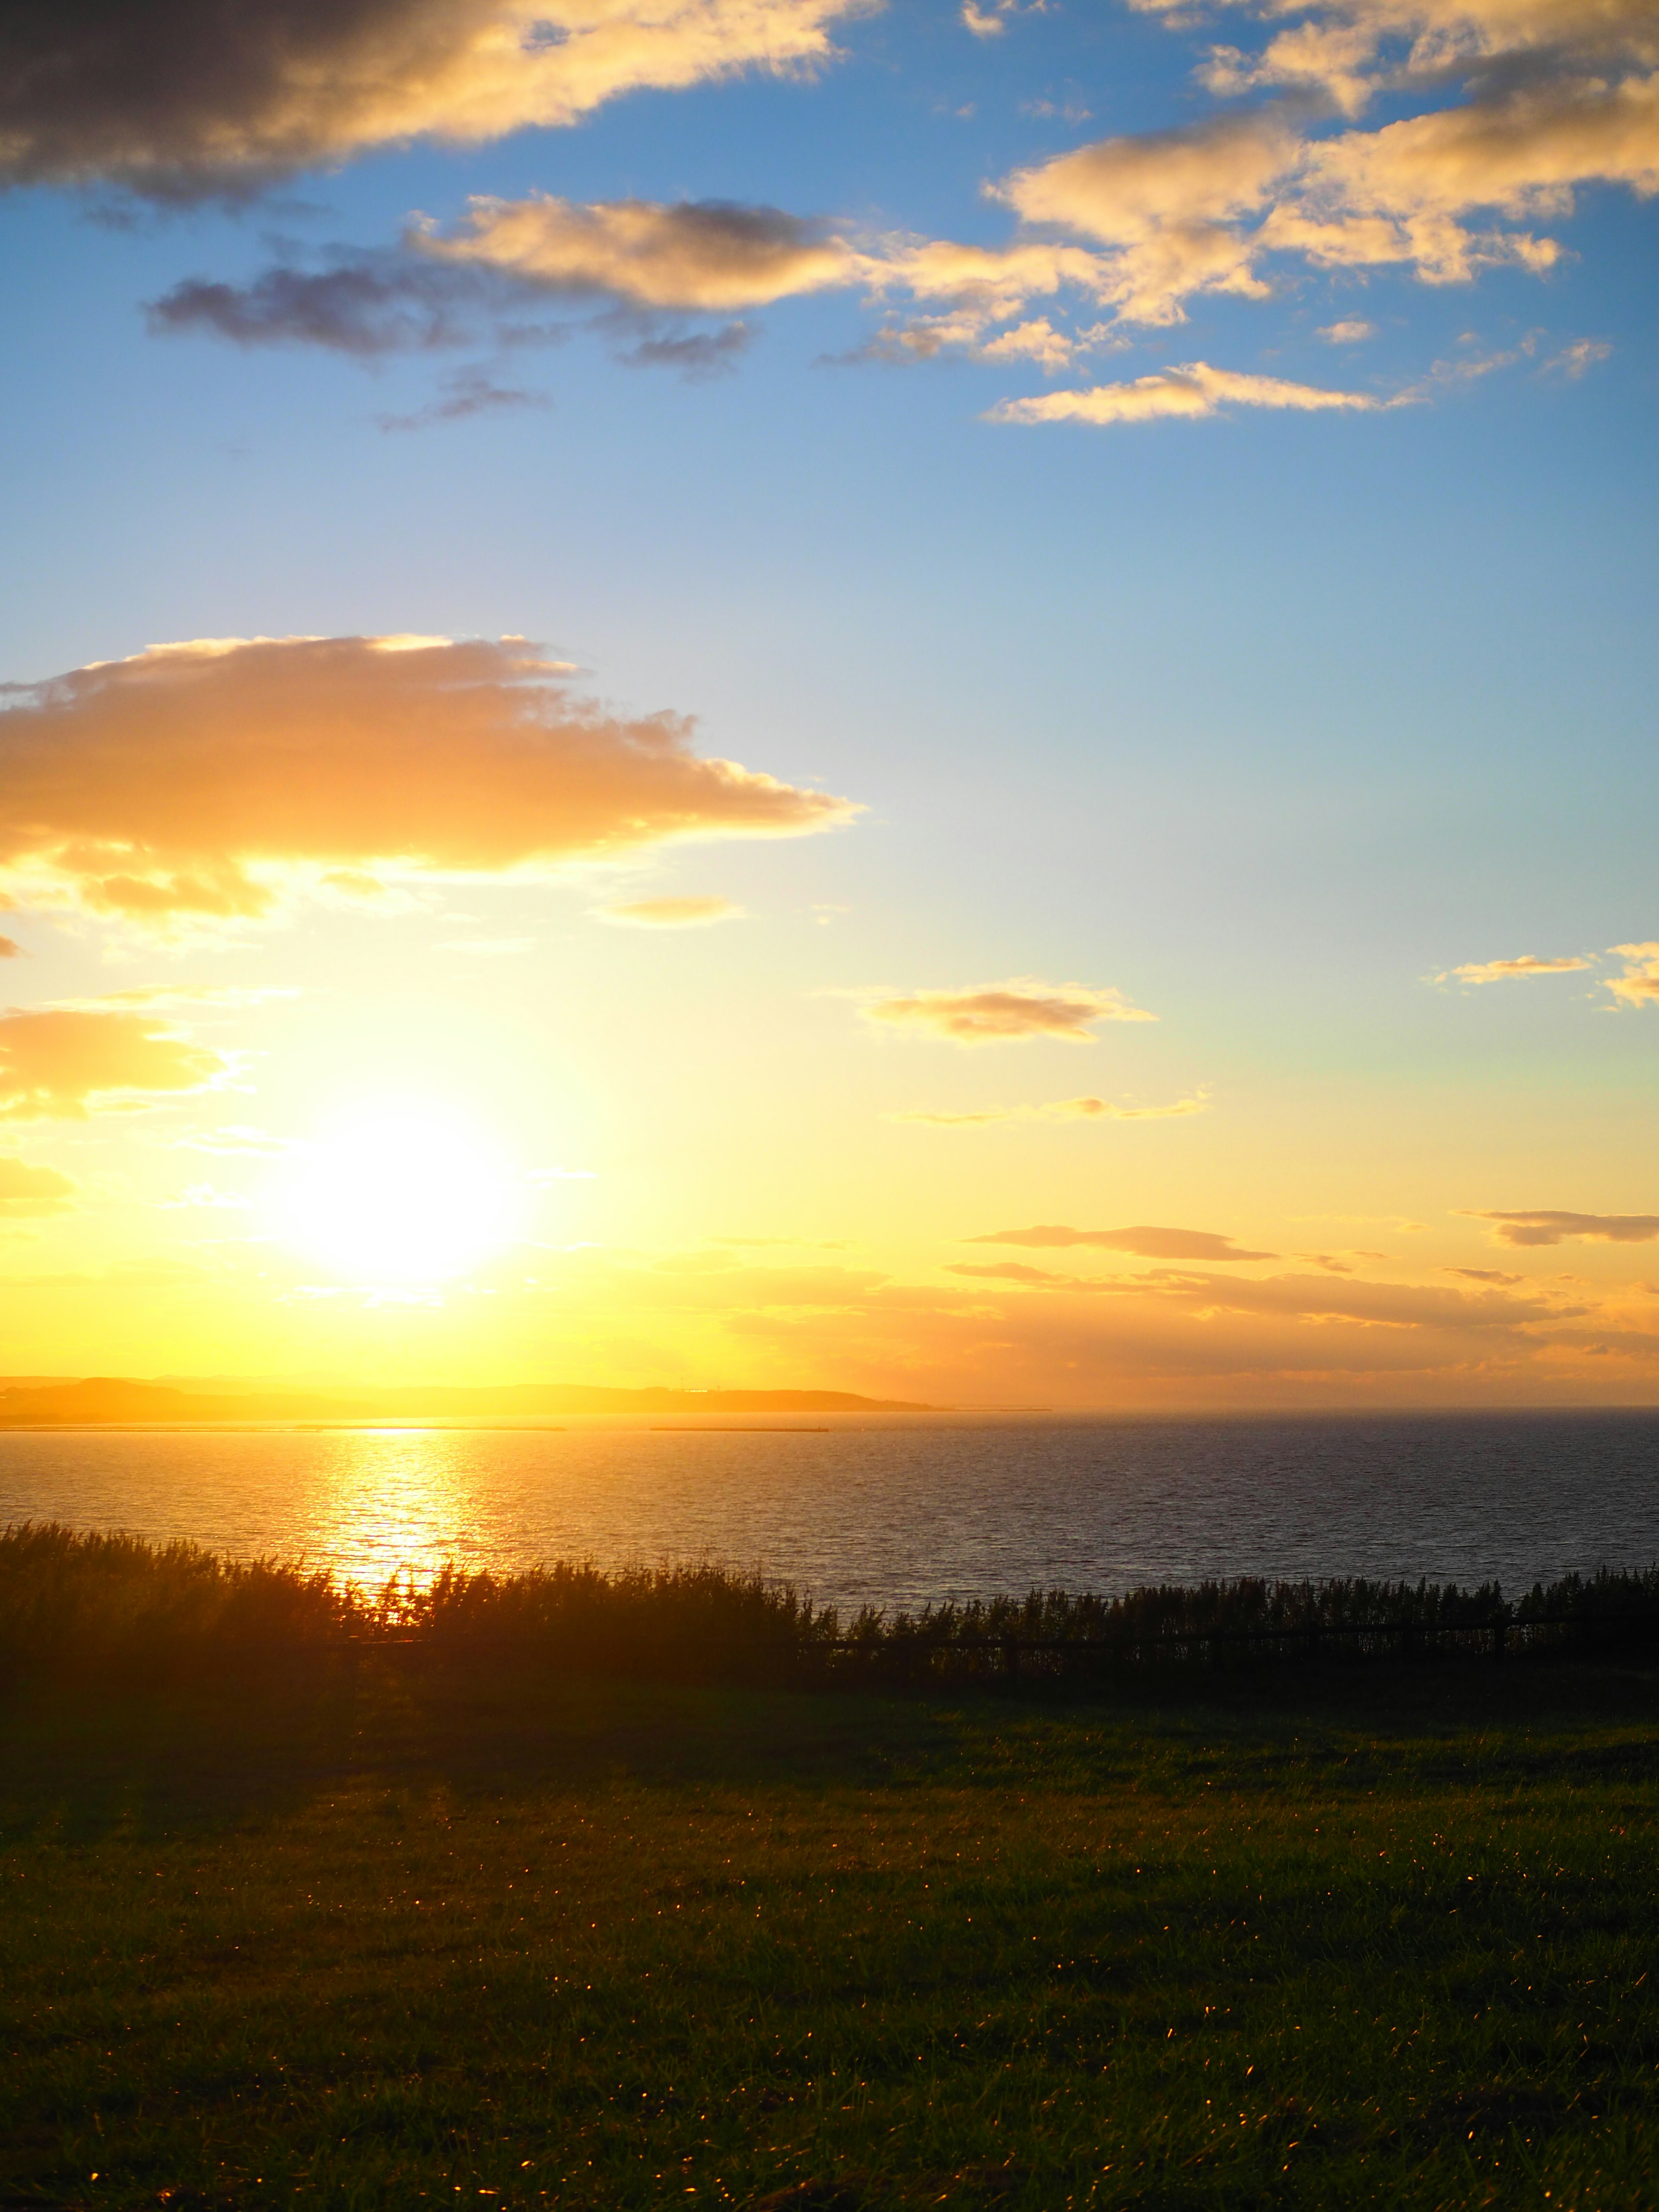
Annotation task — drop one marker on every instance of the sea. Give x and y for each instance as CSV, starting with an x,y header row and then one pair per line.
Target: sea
x,y
892,1511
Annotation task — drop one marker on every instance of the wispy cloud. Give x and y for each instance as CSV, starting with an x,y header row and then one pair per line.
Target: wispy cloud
x,y
1058,1109
690,913
1500,971
1146,1243
1193,389
1543,1226
469,392
1001,1013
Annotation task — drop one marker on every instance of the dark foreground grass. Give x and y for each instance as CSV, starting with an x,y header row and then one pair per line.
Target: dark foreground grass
x,y
386,1935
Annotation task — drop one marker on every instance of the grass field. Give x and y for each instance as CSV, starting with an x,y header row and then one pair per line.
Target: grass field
x,y
387,1934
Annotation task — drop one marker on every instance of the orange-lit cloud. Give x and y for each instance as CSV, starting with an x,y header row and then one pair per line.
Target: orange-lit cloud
x,y
1171,1337
707,257
1639,984
67,1062
1169,203
177,100
9,948
1499,971
27,1193
1000,1013
1444,193
1147,1242
1060,1110
641,260
204,779
1193,389
1542,1226
695,913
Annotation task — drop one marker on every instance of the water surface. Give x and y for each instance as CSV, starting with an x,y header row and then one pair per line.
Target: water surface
x,y
888,1510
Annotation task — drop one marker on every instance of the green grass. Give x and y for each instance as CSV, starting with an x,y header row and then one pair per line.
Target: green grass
x,y
393,1934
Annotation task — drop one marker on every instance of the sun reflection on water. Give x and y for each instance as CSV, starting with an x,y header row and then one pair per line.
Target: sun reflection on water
x,y
394,1502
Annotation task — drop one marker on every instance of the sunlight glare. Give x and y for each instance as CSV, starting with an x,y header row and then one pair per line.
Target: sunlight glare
x,y
401,1196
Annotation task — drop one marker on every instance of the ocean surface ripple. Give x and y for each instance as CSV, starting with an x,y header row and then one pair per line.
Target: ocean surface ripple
x,y
889,1511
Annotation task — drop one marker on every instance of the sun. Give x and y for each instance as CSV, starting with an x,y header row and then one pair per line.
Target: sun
x,y
407,1194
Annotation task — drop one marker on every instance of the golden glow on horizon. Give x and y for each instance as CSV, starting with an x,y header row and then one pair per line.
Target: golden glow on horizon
x,y
400,1194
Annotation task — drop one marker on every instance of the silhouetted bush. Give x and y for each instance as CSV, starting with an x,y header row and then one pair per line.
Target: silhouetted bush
x,y
80,1607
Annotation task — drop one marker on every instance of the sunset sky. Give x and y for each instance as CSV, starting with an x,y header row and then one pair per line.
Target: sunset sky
x,y
954,701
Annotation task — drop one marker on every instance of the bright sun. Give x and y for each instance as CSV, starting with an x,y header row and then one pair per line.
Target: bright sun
x,y
400,1194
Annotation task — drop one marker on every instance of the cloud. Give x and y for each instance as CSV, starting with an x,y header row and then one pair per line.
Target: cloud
x,y
235,1140
1012,1271
1565,95
1060,1110
205,780
30,1193
1497,1275
1499,971
1169,203
1639,984
1195,389
469,392
10,949
1572,361
1146,1243
671,913
629,264
69,1063
998,1014
179,102
713,256
1544,1227
1351,333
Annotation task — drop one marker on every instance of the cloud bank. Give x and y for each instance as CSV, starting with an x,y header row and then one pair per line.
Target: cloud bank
x,y
204,779
1147,1242
1003,1013
179,100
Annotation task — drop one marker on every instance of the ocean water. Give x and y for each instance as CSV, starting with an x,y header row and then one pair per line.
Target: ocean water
x,y
888,1511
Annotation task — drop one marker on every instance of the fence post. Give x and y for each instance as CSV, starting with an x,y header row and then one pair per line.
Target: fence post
x,y
1010,1658
1499,1630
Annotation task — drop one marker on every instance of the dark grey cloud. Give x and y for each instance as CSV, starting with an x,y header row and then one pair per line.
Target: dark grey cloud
x,y
183,100
366,304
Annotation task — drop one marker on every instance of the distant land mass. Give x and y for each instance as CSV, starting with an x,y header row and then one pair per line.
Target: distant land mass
x,y
36,1402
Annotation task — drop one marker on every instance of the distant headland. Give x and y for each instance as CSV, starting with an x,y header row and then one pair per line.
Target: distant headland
x,y
39,1401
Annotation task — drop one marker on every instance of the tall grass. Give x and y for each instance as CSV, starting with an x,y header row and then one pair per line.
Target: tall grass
x,y
83,1607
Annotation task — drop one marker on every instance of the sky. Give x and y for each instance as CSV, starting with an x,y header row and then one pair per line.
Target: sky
x,y
948,700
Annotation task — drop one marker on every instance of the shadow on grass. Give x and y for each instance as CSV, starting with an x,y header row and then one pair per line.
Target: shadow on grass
x,y
82,1760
